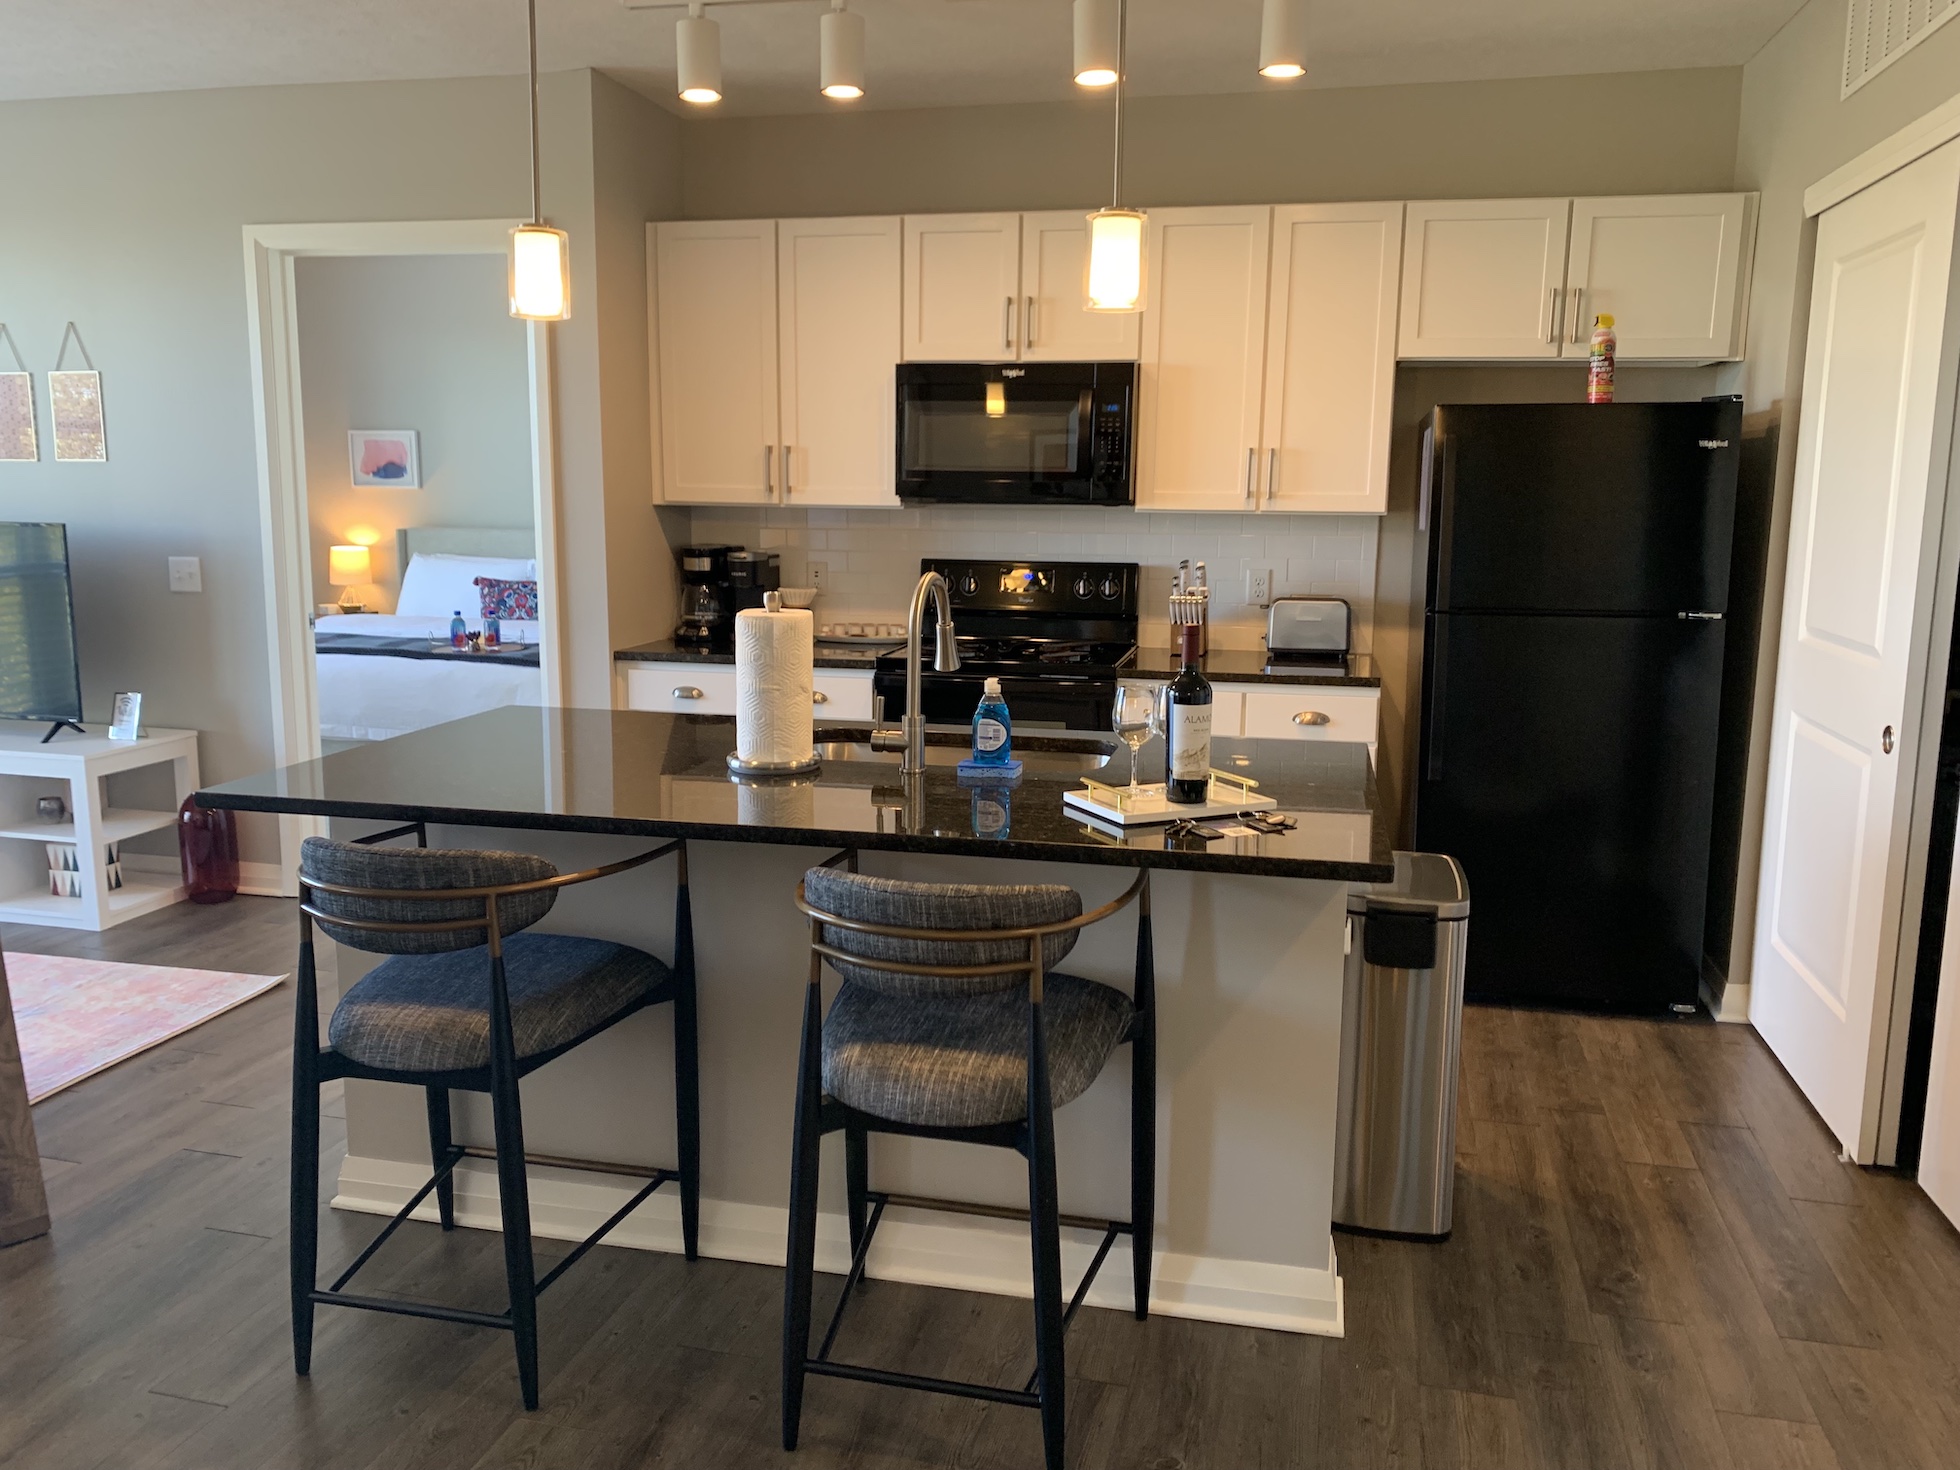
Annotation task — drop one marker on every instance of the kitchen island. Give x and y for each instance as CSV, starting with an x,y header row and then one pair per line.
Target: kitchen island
x,y
1249,933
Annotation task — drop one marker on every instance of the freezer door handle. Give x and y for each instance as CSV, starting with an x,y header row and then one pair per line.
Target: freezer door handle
x,y
1439,654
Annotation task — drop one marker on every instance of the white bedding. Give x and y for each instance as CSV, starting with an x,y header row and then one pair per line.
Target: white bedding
x,y
363,697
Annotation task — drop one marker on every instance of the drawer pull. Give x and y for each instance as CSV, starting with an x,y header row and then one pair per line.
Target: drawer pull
x,y
819,697
1312,717
687,691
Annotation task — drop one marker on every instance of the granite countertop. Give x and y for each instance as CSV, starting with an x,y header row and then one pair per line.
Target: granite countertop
x,y
638,773
829,655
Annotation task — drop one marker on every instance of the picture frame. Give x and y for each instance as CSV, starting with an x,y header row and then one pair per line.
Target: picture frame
x,y
75,401
385,459
126,717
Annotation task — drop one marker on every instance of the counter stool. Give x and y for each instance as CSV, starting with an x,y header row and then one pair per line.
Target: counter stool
x,y
953,1023
466,1001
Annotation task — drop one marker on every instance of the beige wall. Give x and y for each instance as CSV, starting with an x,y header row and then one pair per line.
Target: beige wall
x,y
1793,131
1623,133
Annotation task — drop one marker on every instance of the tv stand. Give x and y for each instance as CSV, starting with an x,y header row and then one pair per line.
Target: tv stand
x,y
58,726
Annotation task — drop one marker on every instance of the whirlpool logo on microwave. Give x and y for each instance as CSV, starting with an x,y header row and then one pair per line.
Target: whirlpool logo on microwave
x,y
1714,444
1013,372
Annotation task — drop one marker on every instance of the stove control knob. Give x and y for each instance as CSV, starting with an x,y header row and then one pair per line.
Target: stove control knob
x,y
1112,587
969,584
1084,588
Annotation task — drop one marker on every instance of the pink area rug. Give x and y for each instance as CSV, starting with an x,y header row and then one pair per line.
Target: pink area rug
x,y
76,1017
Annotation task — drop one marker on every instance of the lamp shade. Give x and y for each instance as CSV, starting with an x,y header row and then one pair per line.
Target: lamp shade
x,y
349,566
840,53
1095,42
697,51
540,273
1115,277
1283,39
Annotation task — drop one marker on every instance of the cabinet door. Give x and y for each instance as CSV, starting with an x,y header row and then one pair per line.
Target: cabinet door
x,y
716,317
1204,348
682,689
1483,278
1311,712
1667,267
838,285
1055,326
1330,357
962,287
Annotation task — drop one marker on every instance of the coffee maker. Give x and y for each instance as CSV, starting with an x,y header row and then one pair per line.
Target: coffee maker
x,y
752,575
707,600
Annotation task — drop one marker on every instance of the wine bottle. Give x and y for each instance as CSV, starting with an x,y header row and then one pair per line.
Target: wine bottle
x,y
1188,725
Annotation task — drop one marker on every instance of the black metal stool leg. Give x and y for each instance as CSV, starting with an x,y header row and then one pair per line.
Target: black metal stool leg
x,y
1044,1226
800,1273
513,1187
439,1146
857,1182
687,1068
1143,1117
304,1228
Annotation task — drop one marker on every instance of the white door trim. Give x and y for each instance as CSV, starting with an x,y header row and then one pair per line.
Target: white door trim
x,y
272,317
1910,144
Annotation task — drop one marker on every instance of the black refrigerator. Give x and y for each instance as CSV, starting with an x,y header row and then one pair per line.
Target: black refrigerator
x,y
1572,687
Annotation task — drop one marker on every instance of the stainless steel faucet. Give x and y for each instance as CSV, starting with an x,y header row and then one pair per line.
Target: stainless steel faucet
x,y
910,737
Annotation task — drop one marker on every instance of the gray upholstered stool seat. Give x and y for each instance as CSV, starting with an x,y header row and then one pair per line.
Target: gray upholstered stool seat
x,y
962,1061
431,1012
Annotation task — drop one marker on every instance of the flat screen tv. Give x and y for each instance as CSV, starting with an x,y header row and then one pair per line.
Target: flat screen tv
x,y
39,679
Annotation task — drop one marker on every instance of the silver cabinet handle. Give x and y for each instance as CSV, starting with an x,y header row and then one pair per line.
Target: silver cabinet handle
x,y
1027,336
1007,325
819,697
786,474
1578,317
768,472
1272,474
1312,717
1251,459
687,691
1551,322
1885,740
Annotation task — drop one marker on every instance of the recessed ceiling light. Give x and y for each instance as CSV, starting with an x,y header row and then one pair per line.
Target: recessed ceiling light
x,y
697,52
1283,40
840,53
1095,43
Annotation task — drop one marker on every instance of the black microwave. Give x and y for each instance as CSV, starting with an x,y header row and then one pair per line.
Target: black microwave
x,y
1013,433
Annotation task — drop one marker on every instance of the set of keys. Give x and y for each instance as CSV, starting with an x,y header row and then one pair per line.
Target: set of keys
x,y
1266,824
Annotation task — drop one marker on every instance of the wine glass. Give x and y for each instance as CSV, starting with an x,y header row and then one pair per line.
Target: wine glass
x,y
1134,722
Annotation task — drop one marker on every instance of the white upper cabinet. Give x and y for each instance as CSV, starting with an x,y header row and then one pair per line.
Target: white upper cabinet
x,y
1668,268
1330,358
714,320
838,295
1203,358
962,287
1056,326
1483,277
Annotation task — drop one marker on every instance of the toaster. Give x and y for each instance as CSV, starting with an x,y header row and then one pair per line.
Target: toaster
x,y
1319,626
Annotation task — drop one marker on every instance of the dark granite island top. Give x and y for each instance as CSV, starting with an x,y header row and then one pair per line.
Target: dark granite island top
x,y
663,775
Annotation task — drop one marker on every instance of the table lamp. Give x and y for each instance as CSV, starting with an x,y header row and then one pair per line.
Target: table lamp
x,y
349,567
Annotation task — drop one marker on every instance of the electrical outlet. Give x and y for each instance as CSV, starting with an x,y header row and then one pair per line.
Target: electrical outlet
x,y
186,574
820,575
1258,586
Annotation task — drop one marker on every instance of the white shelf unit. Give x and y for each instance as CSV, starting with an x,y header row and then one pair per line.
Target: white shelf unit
x,y
76,768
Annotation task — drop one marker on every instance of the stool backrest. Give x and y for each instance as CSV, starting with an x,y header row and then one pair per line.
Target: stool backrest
x,y
895,903
408,884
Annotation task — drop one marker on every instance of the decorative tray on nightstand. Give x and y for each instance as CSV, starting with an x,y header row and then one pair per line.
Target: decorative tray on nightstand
x,y
1149,805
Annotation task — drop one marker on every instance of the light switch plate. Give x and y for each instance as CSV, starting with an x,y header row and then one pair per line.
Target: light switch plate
x,y
186,574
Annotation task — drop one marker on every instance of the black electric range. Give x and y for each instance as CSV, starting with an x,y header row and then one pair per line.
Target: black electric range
x,y
1056,634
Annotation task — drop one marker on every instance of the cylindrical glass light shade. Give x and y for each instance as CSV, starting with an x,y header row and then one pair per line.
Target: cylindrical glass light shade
x,y
540,273
840,54
1115,280
1283,39
1095,42
697,51
349,566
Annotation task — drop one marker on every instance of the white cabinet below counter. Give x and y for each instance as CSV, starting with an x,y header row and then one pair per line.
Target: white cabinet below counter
x,y
709,689
1298,712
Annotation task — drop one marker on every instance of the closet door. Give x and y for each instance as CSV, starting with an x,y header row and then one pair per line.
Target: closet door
x,y
1483,278
1055,326
1668,267
962,287
1330,357
1204,349
715,323
838,288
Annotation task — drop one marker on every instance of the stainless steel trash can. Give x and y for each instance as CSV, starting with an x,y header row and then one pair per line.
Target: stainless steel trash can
x,y
1401,1031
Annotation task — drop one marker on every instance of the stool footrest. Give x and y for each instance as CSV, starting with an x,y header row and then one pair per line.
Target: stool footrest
x,y
959,1388
414,1309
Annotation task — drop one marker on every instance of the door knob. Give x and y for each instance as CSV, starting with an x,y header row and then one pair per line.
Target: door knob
x,y
1885,740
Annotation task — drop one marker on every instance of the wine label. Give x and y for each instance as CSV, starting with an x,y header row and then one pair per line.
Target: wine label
x,y
989,734
1190,742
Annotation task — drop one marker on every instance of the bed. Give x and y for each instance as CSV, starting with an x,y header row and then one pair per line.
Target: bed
x,y
382,675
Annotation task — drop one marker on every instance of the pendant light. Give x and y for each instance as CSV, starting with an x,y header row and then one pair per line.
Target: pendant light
x,y
840,53
1095,43
1115,274
1283,40
540,257
697,54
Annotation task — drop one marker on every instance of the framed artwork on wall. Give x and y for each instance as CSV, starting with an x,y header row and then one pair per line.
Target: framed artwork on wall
x,y
75,405
18,439
389,458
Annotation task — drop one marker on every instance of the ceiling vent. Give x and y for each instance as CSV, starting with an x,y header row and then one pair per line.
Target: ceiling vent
x,y
1878,32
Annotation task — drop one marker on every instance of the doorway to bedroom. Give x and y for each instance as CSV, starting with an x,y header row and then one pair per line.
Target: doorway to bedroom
x,y
421,534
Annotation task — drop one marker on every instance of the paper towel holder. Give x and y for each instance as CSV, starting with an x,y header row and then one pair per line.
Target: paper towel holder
x,y
747,769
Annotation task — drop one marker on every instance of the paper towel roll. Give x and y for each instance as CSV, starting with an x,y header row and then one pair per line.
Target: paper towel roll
x,y
775,655
780,801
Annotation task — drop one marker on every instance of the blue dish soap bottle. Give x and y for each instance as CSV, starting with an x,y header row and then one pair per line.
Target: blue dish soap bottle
x,y
459,631
993,732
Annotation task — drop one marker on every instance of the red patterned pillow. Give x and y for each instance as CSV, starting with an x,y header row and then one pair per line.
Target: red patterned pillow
x,y
513,602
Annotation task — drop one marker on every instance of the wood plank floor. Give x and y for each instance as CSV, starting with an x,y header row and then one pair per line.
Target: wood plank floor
x,y
1658,1261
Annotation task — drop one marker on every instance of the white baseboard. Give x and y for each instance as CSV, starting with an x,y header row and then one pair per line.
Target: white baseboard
x,y
260,880
969,1253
